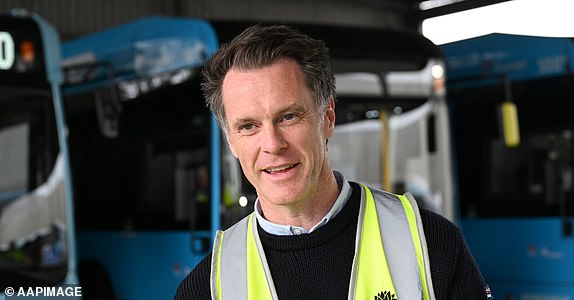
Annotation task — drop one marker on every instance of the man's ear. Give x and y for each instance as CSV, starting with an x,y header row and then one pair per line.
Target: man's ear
x,y
330,118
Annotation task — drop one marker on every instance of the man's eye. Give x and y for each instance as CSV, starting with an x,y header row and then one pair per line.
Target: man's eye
x,y
246,127
289,117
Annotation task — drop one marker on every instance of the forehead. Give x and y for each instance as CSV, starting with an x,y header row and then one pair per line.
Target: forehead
x,y
286,69
283,81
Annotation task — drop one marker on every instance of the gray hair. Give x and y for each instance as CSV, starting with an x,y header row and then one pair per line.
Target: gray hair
x,y
260,46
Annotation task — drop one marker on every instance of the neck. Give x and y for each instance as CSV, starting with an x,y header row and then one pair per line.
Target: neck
x,y
307,212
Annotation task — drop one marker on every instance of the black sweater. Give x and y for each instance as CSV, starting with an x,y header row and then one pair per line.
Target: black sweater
x,y
318,265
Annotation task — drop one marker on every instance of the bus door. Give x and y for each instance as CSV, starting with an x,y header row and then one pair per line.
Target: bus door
x,y
396,124
36,229
516,199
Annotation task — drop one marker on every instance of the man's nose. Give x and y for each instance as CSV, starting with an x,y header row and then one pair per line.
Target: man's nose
x,y
273,140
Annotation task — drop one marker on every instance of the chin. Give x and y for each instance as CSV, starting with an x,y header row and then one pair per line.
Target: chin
x,y
283,195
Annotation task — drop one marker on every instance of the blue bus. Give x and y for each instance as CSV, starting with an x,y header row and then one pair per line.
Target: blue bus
x,y
134,195
36,224
152,181
515,199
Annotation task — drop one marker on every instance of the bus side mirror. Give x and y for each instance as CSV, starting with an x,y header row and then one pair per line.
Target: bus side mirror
x,y
509,120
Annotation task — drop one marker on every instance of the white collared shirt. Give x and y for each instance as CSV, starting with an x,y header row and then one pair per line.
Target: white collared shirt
x,y
278,229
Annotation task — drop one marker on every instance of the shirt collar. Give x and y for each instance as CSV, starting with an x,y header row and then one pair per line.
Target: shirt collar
x,y
277,229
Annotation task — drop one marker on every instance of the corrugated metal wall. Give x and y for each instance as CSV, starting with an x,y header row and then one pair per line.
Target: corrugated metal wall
x,y
322,11
77,17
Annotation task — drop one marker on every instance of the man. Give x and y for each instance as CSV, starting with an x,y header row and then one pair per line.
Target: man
x,y
313,235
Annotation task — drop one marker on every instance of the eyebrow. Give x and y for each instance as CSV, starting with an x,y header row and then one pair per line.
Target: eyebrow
x,y
292,107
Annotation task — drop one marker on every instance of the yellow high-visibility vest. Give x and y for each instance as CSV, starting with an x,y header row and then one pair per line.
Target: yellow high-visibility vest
x,y
390,245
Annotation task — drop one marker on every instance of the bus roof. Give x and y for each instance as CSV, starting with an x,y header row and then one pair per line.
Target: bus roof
x,y
145,47
512,57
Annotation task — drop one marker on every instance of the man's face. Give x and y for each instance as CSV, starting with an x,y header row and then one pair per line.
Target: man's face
x,y
276,131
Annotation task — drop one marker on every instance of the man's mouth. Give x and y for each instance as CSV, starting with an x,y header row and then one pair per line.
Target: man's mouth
x,y
280,169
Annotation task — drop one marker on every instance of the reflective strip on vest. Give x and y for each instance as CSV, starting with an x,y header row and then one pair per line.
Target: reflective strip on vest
x,y
259,283
389,235
413,226
370,263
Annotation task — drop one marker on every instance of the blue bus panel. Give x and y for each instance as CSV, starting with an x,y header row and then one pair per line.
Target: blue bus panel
x,y
514,56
